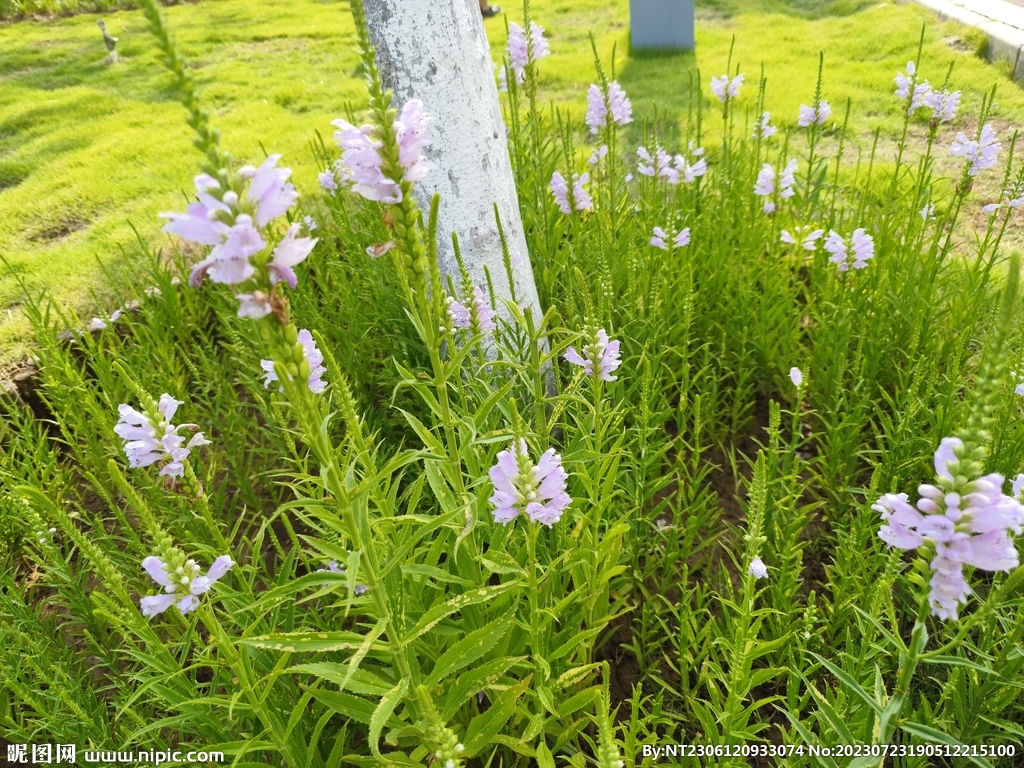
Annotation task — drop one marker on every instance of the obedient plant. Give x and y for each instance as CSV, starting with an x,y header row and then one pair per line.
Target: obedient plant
x,y
423,534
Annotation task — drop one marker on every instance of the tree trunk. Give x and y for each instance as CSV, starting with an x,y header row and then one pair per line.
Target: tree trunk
x,y
436,51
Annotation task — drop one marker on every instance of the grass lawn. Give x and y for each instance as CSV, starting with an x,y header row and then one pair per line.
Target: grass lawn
x,y
89,151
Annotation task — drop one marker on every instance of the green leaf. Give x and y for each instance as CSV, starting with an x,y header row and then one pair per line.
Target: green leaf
x,y
359,681
938,737
496,561
434,616
850,683
438,574
385,707
808,738
467,650
956,661
484,727
544,757
299,642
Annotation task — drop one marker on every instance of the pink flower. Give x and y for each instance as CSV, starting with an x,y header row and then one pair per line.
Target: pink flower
x,y
255,305
599,358
268,190
724,88
765,186
618,105
981,153
149,439
361,163
581,198
182,585
814,115
518,55
597,110
764,130
410,132
862,244
313,356
520,487
943,103
228,262
600,107
290,252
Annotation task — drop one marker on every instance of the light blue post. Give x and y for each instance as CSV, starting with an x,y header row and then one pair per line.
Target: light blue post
x,y
661,24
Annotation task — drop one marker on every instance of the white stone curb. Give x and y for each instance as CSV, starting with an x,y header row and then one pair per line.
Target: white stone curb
x,y
1002,23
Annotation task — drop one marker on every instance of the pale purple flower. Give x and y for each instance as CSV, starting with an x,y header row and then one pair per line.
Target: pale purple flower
x,y
679,240
981,153
518,55
927,212
362,162
269,190
597,109
758,569
682,238
921,92
581,198
787,179
663,161
228,262
796,376
943,103
687,171
458,314
863,248
599,358
149,439
904,81
97,324
787,237
1018,486
484,313
811,115
538,43
182,585
290,252
619,106
1019,390
810,242
646,166
658,239
327,180
521,487
961,522
765,186
255,305
724,88
411,135
313,356
598,154
861,243
764,130
991,208
203,222
613,107
310,223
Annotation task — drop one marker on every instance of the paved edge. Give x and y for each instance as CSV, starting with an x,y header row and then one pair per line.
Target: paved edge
x,y
1005,42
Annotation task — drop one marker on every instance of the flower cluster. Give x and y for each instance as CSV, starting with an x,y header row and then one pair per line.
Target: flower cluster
x,y
580,197
724,88
981,153
861,244
182,581
462,317
231,222
521,487
682,238
673,169
523,52
943,104
361,165
613,107
313,357
809,241
960,521
814,115
600,357
149,439
765,186
763,130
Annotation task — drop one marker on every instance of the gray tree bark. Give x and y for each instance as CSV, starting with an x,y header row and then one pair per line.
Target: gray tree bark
x,y
436,51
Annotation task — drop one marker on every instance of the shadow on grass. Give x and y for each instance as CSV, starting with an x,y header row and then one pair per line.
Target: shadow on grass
x,y
805,9
662,86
